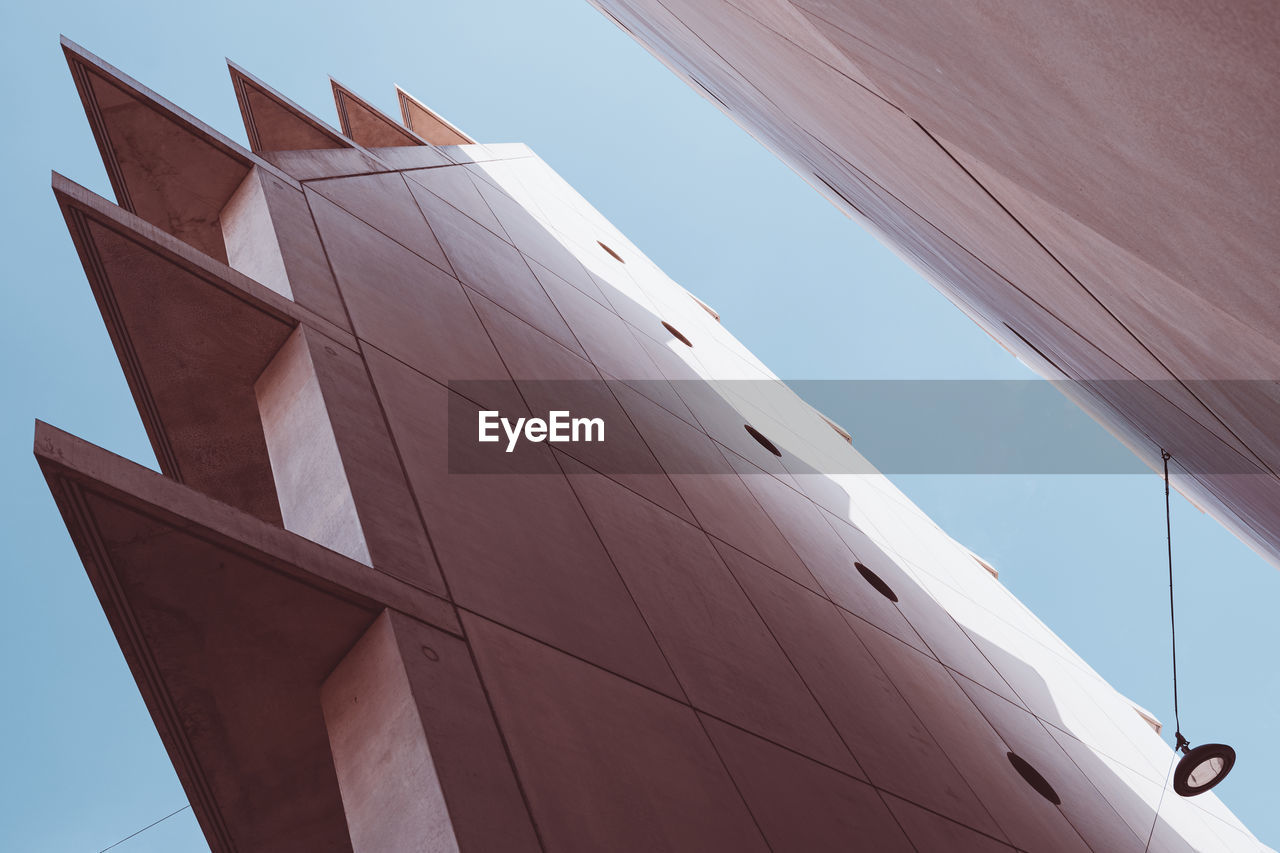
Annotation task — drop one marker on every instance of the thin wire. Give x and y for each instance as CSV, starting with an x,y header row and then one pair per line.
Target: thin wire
x,y
145,828
1164,789
1173,627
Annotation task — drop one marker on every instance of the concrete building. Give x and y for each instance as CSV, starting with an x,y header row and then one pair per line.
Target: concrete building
x,y
685,637
1093,184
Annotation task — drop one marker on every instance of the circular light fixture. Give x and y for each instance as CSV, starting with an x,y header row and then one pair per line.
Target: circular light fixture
x,y
876,581
675,333
1205,766
1202,768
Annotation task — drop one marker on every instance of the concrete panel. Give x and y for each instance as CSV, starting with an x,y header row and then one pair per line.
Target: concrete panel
x,y
383,201
800,805
410,308
607,764
516,547
708,630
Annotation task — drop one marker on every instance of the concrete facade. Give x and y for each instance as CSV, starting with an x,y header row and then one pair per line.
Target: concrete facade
x,y
1092,184
346,644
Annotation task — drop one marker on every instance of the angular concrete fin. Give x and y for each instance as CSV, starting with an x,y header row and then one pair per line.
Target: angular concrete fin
x,y
429,124
195,593
192,380
165,165
272,122
366,125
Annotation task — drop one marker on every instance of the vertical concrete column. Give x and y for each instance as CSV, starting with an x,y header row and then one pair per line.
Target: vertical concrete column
x,y
338,477
419,759
250,237
269,235
311,482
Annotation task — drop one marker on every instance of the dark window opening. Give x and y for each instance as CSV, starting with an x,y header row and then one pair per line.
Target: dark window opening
x,y
764,442
1033,778
876,581
675,333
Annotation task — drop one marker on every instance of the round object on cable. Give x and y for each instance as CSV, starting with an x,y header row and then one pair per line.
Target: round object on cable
x,y
1202,768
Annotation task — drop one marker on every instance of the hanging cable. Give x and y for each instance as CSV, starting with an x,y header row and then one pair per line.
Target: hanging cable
x,y
1204,767
1180,741
145,828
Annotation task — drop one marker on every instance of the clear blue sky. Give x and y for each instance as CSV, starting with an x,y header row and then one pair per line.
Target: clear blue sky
x,y
805,288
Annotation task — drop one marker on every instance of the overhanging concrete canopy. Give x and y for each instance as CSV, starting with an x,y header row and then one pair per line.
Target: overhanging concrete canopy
x,y
193,336
191,585
275,123
366,124
165,165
